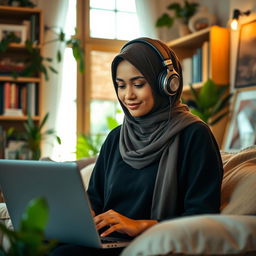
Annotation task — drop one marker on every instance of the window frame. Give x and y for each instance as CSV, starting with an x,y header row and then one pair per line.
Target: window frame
x,y
83,80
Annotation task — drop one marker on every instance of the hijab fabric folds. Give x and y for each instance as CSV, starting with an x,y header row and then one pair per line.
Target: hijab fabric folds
x,y
155,136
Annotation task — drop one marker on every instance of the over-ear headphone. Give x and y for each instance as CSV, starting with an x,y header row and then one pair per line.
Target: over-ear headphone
x,y
168,79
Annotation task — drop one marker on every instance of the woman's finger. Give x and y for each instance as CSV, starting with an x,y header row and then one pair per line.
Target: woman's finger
x,y
111,229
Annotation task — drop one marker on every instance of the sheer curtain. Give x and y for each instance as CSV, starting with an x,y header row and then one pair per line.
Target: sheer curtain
x,y
59,93
147,15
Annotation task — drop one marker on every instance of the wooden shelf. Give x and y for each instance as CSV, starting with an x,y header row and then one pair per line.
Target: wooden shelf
x,y
20,79
191,40
217,67
17,118
22,46
16,10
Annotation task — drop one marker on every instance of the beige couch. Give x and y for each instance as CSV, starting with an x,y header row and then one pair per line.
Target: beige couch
x,y
233,232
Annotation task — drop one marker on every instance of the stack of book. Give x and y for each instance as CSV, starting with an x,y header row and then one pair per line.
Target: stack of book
x,y
18,99
197,68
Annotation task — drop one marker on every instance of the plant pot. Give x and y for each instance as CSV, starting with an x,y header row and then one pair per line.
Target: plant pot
x,y
183,29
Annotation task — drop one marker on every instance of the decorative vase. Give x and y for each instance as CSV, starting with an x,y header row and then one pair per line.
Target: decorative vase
x,y
201,20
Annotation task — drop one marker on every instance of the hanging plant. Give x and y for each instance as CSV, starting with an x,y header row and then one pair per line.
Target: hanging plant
x,y
36,63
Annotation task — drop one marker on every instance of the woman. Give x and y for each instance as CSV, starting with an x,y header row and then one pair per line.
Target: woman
x,y
162,162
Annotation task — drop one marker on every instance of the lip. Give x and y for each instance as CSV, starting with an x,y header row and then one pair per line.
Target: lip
x,y
133,106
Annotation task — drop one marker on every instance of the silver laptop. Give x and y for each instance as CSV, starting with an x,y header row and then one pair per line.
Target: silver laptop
x,y
70,219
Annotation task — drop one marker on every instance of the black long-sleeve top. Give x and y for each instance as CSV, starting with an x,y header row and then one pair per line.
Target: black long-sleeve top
x,y
116,185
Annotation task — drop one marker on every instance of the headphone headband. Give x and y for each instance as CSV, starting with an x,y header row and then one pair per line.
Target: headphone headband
x,y
169,79
161,52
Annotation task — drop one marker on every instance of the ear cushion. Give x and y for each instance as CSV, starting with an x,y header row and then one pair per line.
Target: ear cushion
x,y
169,82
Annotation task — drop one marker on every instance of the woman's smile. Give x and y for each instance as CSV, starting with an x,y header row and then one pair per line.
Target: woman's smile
x,y
133,106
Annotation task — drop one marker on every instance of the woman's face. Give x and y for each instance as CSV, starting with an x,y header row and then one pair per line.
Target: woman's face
x,y
133,90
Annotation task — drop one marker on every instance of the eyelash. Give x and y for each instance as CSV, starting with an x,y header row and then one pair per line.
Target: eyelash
x,y
122,86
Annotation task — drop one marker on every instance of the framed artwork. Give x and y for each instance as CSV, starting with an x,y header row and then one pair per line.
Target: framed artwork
x,y
16,32
246,57
241,132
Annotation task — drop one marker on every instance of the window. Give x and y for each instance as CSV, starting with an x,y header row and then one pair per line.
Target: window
x,y
103,101
105,26
113,19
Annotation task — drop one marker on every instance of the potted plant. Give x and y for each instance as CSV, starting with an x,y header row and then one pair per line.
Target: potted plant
x,y
89,145
181,13
29,240
34,135
209,102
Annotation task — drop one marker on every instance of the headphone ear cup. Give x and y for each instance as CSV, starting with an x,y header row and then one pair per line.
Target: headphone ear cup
x,y
169,82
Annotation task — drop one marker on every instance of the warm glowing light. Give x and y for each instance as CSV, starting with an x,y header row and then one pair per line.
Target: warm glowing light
x,y
234,24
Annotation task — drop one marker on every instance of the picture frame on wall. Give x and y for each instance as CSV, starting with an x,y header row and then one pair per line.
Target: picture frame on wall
x,y
241,132
246,57
18,32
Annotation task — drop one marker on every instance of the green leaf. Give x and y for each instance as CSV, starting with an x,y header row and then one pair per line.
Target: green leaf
x,y
58,139
53,69
62,36
44,121
59,56
165,21
174,6
49,59
49,132
199,114
10,131
221,104
208,94
111,123
193,92
45,72
35,216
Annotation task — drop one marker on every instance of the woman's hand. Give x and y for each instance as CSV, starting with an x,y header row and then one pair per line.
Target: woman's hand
x,y
120,223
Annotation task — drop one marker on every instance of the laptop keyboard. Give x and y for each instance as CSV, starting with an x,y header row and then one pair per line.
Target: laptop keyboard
x,y
108,239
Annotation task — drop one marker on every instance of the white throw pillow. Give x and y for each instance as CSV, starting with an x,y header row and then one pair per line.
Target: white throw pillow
x,y
197,235
86,174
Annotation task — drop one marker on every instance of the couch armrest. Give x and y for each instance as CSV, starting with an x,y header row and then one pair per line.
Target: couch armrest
x,y
81,163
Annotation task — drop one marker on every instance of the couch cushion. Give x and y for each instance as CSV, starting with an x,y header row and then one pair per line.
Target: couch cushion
x,y
198,235
239,182
86,174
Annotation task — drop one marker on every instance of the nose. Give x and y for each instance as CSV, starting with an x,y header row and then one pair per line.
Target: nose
x,y
130,94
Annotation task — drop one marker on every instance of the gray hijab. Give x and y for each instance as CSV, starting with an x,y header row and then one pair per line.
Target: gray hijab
x,y
155,136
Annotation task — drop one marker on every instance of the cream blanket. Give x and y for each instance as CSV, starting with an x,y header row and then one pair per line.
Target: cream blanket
x,y
239,182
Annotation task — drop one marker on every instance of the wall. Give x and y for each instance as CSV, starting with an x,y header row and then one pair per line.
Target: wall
x,y
243,6
220,8
223,9
54,15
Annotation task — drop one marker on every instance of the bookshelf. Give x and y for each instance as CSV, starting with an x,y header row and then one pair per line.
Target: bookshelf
x,y
26,90
214,44
218,51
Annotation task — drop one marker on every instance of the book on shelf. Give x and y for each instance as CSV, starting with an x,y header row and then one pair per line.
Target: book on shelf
x,y
18,99
187,70
197,68
1,98
31,98
34,28
205,60
27,24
